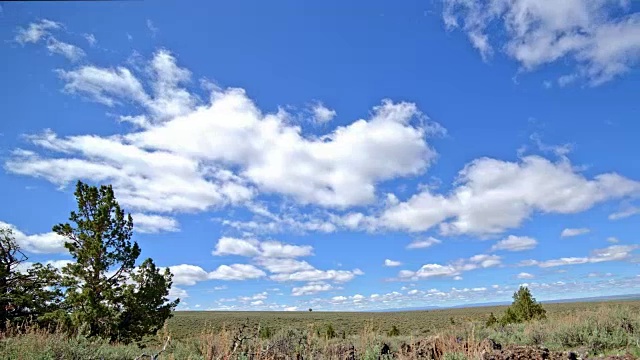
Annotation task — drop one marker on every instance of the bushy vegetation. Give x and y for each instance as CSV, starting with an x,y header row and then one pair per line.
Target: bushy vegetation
x,y
601,329
394,331
524,308
33,295
103,293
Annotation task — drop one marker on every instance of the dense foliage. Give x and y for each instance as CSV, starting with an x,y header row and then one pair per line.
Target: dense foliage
x,y
101,293
26,294
524,308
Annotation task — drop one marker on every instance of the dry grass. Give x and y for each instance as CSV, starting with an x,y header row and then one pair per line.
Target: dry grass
x,y
186,324
594,329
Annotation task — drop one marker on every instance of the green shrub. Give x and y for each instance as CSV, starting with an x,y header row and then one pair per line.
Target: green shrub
x,y
330,333
492,320
265,332
394,331
524,308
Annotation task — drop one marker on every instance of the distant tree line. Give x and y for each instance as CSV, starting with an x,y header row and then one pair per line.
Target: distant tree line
x,y
101,293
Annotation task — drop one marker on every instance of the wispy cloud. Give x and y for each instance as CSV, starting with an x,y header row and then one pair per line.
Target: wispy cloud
x,y
574,232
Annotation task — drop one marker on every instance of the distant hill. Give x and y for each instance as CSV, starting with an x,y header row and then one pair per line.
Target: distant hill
x,y
505,303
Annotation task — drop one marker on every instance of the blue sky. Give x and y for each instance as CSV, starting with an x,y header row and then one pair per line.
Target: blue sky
x,y
335,156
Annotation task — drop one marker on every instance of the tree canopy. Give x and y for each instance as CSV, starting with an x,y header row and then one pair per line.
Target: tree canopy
x,y
106,294
101,293
28,292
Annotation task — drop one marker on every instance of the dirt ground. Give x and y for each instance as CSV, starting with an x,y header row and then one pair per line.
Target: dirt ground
x,y
539,353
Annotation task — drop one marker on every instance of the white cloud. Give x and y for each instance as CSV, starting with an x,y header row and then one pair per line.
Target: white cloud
x,y
286,266
625,212
279,260
69,51
613,240
146,223
289,220
24,266
434,270
275,249
45,243
311,288
333,170
236,272
104,85
574,232
391,263
181,158
265,249
260,296
233,246
524,275
42,31
36,31
611,253
315,275
91,39
457,278
453,269
322,114
188,275
154,30
599,275
515,243
176,292
423,244
113,86
600,38
155,181
493,195
185,274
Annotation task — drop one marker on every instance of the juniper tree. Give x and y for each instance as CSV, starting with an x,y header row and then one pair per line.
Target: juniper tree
x,y
28,292
106,294
524,308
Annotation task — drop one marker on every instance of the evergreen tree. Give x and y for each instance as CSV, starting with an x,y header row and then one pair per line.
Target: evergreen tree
x,y
106,295
26,294
524,308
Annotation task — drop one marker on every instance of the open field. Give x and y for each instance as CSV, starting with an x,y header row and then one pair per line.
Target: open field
x,y
605,330
185,324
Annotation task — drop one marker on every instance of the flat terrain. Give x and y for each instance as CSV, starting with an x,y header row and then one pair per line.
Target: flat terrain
x,y
186,324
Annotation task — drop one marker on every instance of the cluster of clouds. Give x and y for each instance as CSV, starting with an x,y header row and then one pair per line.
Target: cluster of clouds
x,y
600,39
43,31
280,260
189,151
186,152
453,269
611,253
